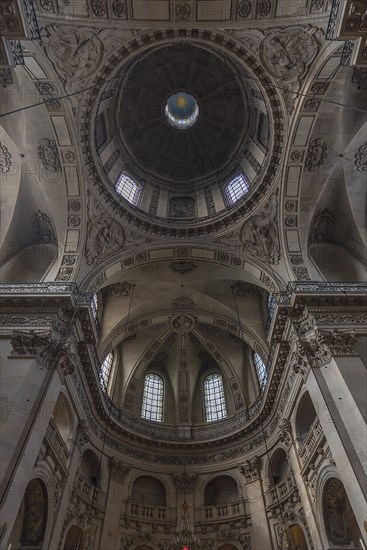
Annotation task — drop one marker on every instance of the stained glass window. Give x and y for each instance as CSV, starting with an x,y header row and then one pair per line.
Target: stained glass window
x,y
214,401
152,407
236,188
128,189
261,370
105,371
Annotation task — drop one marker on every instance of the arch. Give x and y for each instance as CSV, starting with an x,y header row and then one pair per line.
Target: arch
x,y
29,528
279,466
340,524
335,263
31,264
214,398
220,490
73,538
148,490
298,537
63,418
153,395
89,468
304,418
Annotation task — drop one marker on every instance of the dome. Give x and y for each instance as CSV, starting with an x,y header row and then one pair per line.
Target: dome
x,y
182,120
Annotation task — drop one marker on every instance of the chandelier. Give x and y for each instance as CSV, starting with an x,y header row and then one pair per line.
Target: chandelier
x,y
184,538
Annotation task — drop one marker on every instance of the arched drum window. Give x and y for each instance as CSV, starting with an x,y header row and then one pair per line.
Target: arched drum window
x,y
128,189
152,406
236,188
214,400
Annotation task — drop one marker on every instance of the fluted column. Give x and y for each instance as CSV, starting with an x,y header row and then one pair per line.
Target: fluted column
x,y
255,494
339,414
117,492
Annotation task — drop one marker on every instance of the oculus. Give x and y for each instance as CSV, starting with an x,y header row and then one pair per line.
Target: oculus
x,y
181,110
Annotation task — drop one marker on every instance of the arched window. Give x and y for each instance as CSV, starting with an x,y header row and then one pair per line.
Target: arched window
x,y
128,189
105,371
271,306
152,406
261,370
214,401
94,305
236,188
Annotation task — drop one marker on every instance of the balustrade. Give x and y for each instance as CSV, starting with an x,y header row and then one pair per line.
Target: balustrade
x,y
148,512
57,443
88,491
312,442
281,491
224,511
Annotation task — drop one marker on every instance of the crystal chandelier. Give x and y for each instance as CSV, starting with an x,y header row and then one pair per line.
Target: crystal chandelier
x,y
185,538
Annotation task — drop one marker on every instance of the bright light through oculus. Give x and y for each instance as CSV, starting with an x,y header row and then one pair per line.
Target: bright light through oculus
x,y
181,110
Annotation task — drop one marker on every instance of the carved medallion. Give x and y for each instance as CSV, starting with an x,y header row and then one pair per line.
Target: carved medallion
x,y
287,54
244,8
76,53
182,323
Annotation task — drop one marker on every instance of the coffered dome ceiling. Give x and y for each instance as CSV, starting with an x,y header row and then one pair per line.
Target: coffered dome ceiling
x,y
179,156
182,119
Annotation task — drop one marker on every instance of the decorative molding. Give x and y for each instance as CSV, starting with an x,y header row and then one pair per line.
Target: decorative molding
x,y
118,470
244,8
183,267
118,289
341,343
183,303
322,227
183,11
43,228
182,323
242,288
184,481
251,469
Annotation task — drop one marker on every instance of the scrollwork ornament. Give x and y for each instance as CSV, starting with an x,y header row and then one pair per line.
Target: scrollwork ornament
x,y
49,155
360,158
5,159
316,154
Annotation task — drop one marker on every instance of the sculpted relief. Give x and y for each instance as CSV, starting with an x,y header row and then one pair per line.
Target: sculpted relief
x,y
105,236
76,53
259,235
